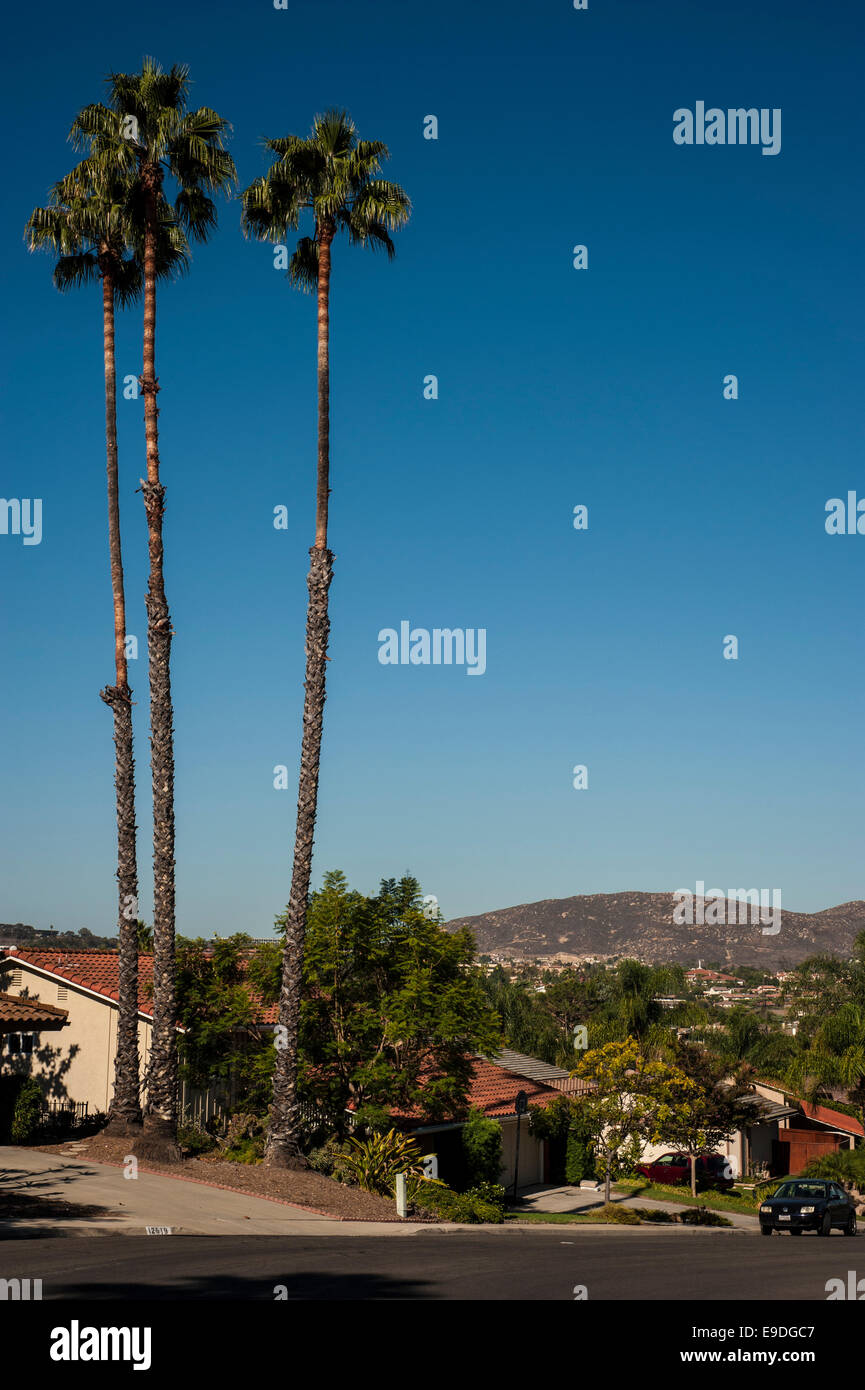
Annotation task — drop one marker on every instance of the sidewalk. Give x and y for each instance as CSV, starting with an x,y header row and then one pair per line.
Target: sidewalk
x,y
576,1199
52,1195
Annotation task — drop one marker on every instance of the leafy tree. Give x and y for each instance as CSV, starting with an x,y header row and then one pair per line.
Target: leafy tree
x,y
564,1127
221,1038
145,134
572,998
707,1111
526,1023
333,176
637,991
392,1009
633,1099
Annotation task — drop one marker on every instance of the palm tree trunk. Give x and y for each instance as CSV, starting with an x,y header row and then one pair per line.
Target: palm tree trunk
x,y
125,1109
283,1137
160,1122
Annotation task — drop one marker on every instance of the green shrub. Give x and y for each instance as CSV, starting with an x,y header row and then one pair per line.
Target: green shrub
x,y
195,1139
463,1207
657,1214
249,1150
845,1165
27,1115
579,1157
620,1216
490,1192
701,1216
482,1148
323,1159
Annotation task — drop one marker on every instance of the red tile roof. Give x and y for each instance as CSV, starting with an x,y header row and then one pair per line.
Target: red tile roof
x,y
17,1012
99,971
836,1118
94,970
495,1090
492,1090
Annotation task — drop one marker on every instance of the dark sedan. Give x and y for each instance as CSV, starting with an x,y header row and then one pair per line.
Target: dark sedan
x,y
808,1204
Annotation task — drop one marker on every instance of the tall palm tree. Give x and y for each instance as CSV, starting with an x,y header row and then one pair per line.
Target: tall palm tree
x,y
88,228
147,132
334,176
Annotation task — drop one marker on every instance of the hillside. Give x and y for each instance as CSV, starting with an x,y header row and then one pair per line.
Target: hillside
x,y
641,925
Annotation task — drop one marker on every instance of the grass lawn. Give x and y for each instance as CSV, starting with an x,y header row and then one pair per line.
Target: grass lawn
x,y
659,1192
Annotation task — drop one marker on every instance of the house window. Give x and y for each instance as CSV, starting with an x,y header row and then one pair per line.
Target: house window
x,y
19,1043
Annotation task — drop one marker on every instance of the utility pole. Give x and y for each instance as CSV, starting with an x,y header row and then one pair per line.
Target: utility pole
x,y
522,1106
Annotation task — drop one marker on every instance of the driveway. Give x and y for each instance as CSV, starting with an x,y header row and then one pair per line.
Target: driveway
x,y
567,1199
49,1195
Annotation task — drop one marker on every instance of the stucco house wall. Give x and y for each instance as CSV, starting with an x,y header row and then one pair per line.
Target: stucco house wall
x,y
77,1063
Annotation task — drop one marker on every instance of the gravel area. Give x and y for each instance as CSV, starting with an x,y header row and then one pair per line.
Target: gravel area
x,y
302,1189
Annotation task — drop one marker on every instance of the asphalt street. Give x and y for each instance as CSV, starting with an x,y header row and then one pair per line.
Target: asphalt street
x,y
499,1264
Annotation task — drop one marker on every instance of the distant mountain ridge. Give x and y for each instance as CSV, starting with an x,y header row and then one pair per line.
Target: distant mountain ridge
x,y
641,925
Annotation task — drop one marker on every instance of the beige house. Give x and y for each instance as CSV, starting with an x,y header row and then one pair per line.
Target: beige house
x,y
75,1064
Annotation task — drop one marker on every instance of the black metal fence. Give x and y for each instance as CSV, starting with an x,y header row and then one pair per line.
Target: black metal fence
x,y
64,1118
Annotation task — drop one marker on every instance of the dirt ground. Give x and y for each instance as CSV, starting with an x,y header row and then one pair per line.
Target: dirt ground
x,y
303,1189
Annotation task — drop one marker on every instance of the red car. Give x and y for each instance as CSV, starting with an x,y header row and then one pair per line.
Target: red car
x,y
713,1170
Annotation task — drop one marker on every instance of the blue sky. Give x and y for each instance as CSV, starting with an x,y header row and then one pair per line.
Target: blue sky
x,y
557,387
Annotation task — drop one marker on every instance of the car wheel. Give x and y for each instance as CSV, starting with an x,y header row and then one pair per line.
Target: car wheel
x,y
765,1230
850,1228
825,1225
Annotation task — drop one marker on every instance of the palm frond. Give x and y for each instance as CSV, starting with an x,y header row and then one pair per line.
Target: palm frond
x,y
303,266
72,271
128,280
195,212
332,175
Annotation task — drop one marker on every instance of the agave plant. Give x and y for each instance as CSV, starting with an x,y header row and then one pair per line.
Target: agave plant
x,y
374,1163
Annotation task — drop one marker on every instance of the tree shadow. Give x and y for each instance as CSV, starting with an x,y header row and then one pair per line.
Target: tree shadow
x,y
300,1285
23,1201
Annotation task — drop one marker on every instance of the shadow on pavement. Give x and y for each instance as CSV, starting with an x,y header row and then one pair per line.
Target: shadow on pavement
x,y
301,1284
23,1201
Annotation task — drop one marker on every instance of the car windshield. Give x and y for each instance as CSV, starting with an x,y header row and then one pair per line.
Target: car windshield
x,y
801,1189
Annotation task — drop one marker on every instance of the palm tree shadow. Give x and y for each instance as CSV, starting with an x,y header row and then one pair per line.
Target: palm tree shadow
x,y
22,1202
